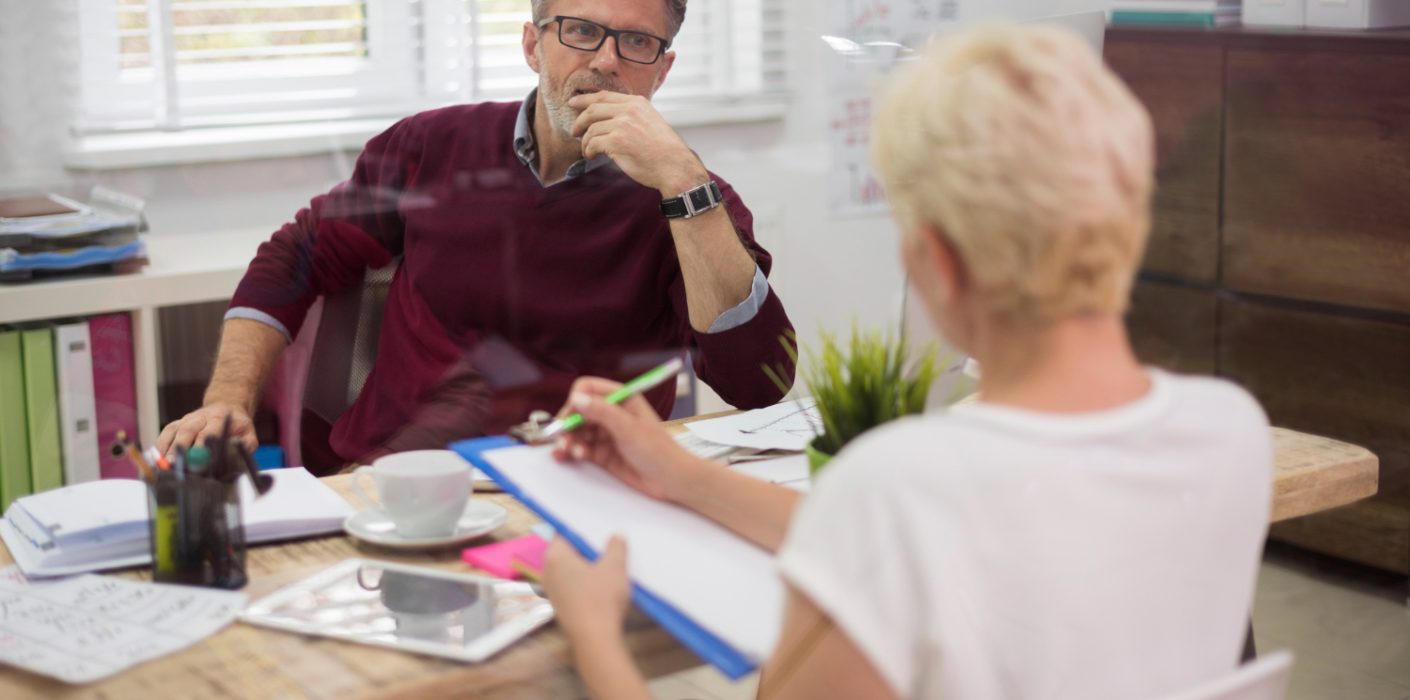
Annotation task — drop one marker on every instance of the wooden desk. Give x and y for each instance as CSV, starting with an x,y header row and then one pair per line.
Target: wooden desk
x,y
1312,474
243,661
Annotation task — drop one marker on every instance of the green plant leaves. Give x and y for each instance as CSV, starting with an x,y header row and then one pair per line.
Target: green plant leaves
x,y
870,382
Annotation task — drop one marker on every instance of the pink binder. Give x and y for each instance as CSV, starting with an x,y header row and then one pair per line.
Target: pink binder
x,y
114,389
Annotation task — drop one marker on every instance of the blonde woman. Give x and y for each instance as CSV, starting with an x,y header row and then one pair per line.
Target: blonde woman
x,y
1090,529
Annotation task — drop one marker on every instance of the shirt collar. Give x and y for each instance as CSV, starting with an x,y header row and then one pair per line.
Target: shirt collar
x,y
528,151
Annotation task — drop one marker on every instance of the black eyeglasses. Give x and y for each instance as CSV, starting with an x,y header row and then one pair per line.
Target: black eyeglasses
x,y
578,33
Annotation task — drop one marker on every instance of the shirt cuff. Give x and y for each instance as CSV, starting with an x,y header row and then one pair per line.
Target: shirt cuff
x,y
745,311
253,314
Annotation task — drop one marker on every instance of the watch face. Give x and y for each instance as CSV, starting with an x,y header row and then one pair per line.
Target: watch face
x,y
699,198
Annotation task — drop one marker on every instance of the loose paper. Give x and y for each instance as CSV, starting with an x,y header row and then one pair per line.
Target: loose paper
x,y
81,629
786,426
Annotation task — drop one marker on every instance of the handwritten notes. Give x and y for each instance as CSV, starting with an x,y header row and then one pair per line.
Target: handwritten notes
x,y
786,426
85,628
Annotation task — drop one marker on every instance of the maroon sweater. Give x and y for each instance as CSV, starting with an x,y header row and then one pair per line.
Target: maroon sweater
x,y
507,289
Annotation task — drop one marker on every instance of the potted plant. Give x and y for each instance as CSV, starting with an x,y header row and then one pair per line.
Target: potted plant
x,y
869,382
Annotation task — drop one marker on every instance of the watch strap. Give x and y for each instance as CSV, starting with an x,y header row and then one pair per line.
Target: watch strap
x,y
693,202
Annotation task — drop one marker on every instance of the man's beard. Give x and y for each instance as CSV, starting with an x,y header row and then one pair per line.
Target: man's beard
x,y
560,115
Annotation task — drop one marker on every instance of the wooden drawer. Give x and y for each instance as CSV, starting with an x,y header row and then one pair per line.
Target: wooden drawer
x,y
1317,198
1340,376
1181,87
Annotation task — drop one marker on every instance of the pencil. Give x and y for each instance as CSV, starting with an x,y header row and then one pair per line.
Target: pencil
x,y
123,445
528,572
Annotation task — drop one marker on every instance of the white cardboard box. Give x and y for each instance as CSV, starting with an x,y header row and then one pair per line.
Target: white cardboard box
x,y
1358,14
1275,13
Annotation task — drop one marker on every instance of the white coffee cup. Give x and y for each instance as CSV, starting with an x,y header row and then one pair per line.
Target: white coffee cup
x,y
423,492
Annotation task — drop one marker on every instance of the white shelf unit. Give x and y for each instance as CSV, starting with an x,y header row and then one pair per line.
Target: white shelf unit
x,y
184,269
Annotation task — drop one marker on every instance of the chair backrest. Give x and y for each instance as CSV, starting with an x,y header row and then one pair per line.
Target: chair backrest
x,y
346,343
341,330
1265,678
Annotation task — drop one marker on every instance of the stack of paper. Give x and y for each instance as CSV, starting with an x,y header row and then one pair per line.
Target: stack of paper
x,y
47,234
102,525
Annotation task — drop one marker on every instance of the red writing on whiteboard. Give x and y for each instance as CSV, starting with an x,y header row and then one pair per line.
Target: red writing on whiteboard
x,y
854,122
868,14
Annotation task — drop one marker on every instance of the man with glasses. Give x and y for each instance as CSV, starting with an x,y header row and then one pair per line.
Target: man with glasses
x,y
573,233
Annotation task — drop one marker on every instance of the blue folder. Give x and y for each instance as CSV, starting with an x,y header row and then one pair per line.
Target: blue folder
x,y
710,648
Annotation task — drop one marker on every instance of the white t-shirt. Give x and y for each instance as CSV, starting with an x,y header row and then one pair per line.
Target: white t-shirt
x,y
992,552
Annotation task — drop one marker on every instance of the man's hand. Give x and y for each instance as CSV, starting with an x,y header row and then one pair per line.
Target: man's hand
x,y
629,130
196,426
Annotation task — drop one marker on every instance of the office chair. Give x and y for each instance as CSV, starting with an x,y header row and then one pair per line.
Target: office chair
x,y
1264,679
341,330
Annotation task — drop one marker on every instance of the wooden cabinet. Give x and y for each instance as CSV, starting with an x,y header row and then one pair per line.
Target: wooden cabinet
x,y
1280,250
1183,88
1317,179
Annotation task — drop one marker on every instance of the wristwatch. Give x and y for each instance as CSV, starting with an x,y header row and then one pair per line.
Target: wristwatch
x,y
693,202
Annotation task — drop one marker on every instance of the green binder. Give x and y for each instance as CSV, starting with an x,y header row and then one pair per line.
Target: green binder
x,y
1129,18
14,429
41,397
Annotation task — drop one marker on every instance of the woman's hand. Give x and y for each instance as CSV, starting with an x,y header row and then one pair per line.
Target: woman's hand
x,y
590,599
627,440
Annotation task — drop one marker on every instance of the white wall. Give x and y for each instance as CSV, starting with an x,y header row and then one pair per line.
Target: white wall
x,y
828,271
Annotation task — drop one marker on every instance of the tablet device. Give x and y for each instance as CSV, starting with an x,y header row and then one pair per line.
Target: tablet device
x,y
415,609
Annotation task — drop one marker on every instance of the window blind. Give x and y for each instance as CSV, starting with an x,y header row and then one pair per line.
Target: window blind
x,y
178,64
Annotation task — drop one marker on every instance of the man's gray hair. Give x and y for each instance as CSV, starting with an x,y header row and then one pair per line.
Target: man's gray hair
x,y
675,14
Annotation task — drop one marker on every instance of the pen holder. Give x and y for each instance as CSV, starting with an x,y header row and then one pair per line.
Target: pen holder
x,y
197,531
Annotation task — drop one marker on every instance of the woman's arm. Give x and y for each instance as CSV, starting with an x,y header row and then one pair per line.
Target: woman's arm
x,y
813,658
590,601
752,508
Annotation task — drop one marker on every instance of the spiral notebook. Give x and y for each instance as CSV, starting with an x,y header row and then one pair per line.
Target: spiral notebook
x,y
716,593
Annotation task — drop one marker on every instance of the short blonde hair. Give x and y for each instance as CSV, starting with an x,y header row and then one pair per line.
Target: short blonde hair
x,y
1031,159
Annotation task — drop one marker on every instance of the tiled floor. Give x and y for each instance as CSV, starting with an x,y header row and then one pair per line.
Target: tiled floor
x,y
1347,626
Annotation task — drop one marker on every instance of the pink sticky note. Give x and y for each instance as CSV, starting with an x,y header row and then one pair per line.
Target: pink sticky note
x,y
498,558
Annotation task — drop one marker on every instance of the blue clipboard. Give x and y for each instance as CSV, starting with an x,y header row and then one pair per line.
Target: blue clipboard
x,y
710,648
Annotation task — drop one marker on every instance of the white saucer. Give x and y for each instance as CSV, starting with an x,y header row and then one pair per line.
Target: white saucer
x,y
373,525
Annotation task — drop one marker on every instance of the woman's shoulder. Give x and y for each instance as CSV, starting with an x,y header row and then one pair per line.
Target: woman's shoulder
x,y
890,456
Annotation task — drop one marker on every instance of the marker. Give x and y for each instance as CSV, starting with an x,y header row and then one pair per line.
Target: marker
x,y
534,432
157,459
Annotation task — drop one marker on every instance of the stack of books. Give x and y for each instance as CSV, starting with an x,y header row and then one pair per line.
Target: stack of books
x,y
1178,13
51,234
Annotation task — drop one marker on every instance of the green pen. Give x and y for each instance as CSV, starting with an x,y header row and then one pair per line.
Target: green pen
x,y
538,430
